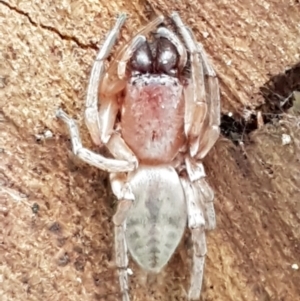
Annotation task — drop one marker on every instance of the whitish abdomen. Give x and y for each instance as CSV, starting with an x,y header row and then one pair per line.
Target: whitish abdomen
x,y
155,224
152,118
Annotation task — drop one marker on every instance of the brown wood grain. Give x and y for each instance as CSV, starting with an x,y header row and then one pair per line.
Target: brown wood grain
x,y
56,234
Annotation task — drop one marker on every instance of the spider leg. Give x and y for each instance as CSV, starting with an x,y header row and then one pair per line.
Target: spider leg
x,y
208,137
207,130
112,83
195,96
163,32
100,124
125,196
196,174
124,54
120,150
110,87
97,74
210,131
196,223
122,191
106,164
122,260
206,201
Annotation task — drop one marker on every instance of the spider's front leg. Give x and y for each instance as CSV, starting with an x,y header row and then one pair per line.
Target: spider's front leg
x,y
202,120
97,160
202,97
101,124
97,74
108,85
125,160
210,129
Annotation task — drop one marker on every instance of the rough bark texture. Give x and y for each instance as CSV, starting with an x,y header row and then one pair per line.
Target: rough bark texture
x,y
56,234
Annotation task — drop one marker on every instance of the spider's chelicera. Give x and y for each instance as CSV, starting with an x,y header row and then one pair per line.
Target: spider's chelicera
x,y
159,116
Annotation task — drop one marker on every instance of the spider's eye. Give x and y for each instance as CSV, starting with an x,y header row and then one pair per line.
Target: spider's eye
x,y
141,60
166,57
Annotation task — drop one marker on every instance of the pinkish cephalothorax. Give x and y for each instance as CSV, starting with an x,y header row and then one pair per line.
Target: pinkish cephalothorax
x,y
159,116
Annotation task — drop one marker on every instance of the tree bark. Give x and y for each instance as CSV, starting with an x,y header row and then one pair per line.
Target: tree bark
x,y
56,232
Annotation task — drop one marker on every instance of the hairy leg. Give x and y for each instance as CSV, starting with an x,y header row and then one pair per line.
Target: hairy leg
x,y
196,223
163,32
206,201
106,164
97,74
111,84
205,195
122,260
123,192
202,97
211,130
195,96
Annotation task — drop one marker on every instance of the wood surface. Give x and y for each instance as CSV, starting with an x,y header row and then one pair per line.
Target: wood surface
x,y
56,232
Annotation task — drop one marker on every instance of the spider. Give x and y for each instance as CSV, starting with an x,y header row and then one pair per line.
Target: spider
x,y
159,116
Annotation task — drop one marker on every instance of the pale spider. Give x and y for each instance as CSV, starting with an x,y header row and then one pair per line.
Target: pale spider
x,y
159,116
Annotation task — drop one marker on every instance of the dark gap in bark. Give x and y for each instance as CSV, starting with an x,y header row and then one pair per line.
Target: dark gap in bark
x,y
279,98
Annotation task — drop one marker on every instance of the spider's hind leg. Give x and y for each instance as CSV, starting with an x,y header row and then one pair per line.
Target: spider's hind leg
x,y
125,197
122,260
206,201
196,223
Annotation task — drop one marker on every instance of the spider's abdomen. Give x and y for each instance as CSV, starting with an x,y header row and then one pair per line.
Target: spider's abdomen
x,y
153,118
155,224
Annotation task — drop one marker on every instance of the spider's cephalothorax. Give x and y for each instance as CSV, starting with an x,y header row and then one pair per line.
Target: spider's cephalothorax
x,y
153,107
158,122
